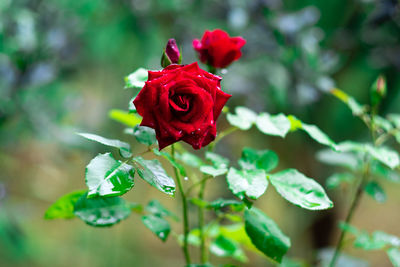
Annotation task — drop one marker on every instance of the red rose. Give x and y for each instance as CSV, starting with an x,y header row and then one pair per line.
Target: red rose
x,y
217,49
181,102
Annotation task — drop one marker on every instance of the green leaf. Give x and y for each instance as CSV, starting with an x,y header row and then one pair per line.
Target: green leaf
x,y
152,172
385,155
243,119
295,123
266,235
106,176
354,106
199,202
374,190
144,135
100,211
221,203
125,148
315,133
190,159
343,159
63,208
155,208
337,179
300,190
213,171
159,226
377,241
395,119
223,246
286,262
394,256
382,123
171,160
251,159
388,239
277,125
217,160
128,119
220,165
251,183
381,170
131,106
136,79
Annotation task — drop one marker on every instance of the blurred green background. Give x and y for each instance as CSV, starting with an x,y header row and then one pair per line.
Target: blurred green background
x,y
62,65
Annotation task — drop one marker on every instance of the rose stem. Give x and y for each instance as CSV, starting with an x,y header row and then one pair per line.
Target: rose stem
x,y
203,248
185,246
203,245
358,193
354,204
212,69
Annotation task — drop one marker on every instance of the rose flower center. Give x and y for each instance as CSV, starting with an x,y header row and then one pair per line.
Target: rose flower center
x,y
180,103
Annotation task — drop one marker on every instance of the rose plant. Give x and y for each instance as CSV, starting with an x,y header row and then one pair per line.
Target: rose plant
x,y
183,103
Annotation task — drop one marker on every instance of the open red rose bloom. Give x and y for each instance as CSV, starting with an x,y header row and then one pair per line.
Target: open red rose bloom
x,y
181,103
217,49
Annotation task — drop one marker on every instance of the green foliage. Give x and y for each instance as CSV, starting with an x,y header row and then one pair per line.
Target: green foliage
x,y
338,179
243,119
354,106
378,240
171,160
100,212
221,203
374,190
219,165
348,160
383,154
315,133
136,79
144,135
190,159
63,208
124,117
266,235
252,159
395,119
250,183
159,226
394,256
382,171
124,148
154,207
223,246
300,190
106,176
152,172
277,125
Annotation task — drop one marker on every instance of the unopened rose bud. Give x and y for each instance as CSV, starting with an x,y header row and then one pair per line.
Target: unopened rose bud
x,y
381,86
171,54
378,91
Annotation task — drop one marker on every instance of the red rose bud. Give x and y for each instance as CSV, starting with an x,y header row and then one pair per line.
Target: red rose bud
x,y
217,49
181,103
171,54
378,90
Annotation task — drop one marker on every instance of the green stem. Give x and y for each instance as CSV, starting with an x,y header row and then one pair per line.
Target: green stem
x,y
185,246
354,204
212,69
203,246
